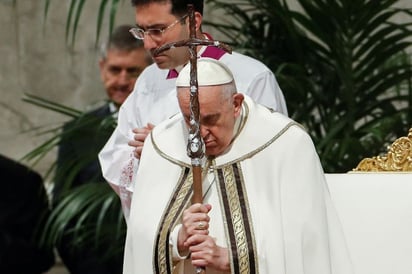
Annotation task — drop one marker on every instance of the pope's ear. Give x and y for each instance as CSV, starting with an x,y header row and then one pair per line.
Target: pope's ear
x,y
237,102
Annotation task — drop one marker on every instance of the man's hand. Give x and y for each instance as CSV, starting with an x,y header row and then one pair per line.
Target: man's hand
x,y
194,221
194,237
140,135
206,253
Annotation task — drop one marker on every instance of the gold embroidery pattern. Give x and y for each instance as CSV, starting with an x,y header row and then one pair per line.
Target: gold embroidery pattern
x,y
238,219
398,158
162,257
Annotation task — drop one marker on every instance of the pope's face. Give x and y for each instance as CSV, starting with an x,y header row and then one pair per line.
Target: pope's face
x,y
217,116
119,71
158,15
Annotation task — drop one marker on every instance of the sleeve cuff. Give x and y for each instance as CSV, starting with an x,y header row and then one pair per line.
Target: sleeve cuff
x,y
173,243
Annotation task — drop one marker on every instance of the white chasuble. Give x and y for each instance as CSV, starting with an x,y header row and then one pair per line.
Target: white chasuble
x,y
270,205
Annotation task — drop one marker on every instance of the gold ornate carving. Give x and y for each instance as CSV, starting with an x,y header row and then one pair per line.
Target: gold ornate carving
x,y
398,158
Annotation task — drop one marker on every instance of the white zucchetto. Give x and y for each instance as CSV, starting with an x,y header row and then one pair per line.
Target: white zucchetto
x,y
210,72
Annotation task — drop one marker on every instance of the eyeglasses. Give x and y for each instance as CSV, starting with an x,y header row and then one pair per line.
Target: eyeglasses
x,y
155,34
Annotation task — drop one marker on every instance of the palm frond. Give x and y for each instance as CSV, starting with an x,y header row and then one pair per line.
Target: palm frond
x,y
340,64
50,105
90,214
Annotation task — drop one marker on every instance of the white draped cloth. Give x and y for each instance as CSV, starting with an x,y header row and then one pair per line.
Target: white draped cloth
x,y
153,100
270,203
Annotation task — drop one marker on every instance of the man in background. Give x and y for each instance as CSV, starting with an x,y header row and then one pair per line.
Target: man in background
x,y
123,59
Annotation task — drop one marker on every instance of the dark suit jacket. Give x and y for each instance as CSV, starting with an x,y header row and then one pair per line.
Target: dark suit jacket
x,y
23,208
82,140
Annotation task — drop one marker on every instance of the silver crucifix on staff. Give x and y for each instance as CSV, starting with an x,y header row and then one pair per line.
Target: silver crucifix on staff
x,y
195,145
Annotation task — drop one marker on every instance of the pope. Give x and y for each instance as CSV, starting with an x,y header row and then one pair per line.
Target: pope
x,y
266,207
